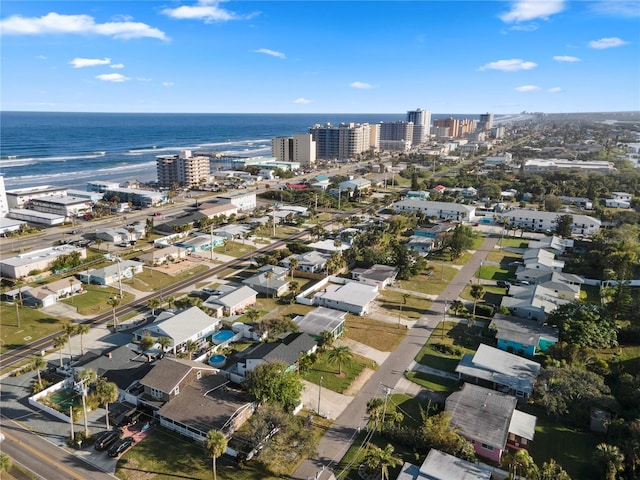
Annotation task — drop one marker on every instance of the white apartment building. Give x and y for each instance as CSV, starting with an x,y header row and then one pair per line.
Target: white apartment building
x,y
183,169
300,148
544,165
440,210
547,221
341,142
244,200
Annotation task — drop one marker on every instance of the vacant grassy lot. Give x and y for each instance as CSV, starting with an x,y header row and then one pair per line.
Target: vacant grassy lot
x,y
433,382
396,305
94,300
433,284
515,242
449,333
382,336
234,249
329,372
34,324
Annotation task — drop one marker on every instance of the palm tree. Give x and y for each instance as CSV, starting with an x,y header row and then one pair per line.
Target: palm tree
x,y
69,329
521,465
326,339
190,347
252,314
293,265
170,300
374,410
477,291
268,276
164,343
214,446
294,288
152,304
553,471
456,306
147,342
58,343
611,459
383,459
338,355
404,302
71,288
106,392
114,302
38,363
82,329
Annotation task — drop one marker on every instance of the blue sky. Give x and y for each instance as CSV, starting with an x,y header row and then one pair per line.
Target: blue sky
x,y
320,57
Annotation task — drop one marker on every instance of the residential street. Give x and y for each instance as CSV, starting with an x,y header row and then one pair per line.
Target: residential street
x,y
337,440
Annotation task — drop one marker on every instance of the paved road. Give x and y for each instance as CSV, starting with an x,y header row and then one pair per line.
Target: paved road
x,y
337,440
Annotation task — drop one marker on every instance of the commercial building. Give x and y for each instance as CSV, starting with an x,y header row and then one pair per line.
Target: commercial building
x,y
36,260
421,120
300,148
183,169
20,197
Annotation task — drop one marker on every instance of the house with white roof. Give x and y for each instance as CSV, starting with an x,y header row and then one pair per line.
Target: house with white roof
x,y
309,262
537,258
231,301
440,210
23,263
499,370
180,327
555,244
357,184
161,256
352,297
329,246
112,273
442,466
490,421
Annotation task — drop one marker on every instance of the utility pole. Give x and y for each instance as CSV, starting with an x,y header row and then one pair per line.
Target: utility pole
x,y
319,393
444,318
211,236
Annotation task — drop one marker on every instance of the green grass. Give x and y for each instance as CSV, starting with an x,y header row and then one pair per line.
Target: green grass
x,y
409,308
329,372
433,382
165,455
433,284
34,324
514,242
628,357
451,333
573,449
494,272
94,300
382,336
234,249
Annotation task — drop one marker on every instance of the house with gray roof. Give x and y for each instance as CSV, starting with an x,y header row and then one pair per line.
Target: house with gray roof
x,y
320,320
532,302
352,297
489,420
309,262
518,335
112,273
231,301
499,370
537,258
49,294
378,275
555,244
275,286
538,221
442,466
164,255
538,277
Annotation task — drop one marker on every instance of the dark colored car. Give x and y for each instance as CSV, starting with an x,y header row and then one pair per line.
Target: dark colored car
x,y
107,438
503,284
120,446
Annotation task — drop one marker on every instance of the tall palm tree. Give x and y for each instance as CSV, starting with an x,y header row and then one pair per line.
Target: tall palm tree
x,y
58,343
477,291
38,363
252,314
114,302
456,306
214,446
339,355
382,459
82,329
152,304
106,392
69,329
374,410
404,302
164,343
191,347
293,265
521,465
611,459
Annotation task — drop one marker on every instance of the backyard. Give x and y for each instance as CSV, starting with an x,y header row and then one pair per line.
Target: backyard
x,y
323,368
456,336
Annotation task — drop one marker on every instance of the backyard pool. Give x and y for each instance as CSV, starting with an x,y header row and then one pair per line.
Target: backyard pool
x,y
217,361
222,336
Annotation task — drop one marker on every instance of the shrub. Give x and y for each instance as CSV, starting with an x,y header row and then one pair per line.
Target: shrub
x,y
447,349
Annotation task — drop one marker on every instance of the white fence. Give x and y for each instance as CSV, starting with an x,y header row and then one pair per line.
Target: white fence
x,y
34,399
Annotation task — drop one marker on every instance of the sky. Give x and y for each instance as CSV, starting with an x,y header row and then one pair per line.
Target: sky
x,y
209,56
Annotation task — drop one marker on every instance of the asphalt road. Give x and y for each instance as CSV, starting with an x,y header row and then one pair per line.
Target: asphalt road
x,y
337,440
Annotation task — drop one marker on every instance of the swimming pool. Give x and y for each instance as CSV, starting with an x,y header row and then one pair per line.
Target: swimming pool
x,y
217,360
222,336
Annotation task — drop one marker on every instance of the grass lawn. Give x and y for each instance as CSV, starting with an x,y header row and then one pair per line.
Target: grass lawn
x,y
433,382
34,324
627,355
494,272
275,309
94,300
515,242
433,284
490,293
382,336
409,308
451,333
165,455
234,249
329,372
573,449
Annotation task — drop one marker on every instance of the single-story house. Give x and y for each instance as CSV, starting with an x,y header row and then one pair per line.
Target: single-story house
x,y
379,275
308,262
442,466
275,286
49,294
320,320
329,246
232,231
499,370
112,273
489,420
231,301
119,235
352,297
201,242
537,276
518,335
533,301
163,255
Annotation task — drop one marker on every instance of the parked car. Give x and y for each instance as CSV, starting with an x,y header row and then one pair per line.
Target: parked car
x,y
120,447
105,440
503,284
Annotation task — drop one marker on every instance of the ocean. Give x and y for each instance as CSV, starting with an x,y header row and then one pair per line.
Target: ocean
x,y
70,149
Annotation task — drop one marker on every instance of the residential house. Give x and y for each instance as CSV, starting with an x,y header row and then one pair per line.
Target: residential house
x,y
309,262
184,223
351,187
352,297
232,231
490,421
532,302
49,294
202,242
517,335
112,273
320,181
555,244
322,320
619,200
329,246
442,466
275,286
542,259
439,210
191,399
162,256
499,370
379,275
419,194
540,277
288,351
547,221
180,327
129,234
231,300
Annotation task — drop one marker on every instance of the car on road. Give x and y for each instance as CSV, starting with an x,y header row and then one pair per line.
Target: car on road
x,y
105,440
503,284
120,446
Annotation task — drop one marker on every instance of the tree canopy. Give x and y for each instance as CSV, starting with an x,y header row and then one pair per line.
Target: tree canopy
x,y
275,382
584,325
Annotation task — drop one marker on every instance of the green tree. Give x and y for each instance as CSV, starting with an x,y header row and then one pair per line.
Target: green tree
x,y
552,203
611,460
375,408
460,240
564,225
521,465
82,329
339,355
164,343
69,329
147,342
379,459
114,302
106,392
293,262
277,326
553,471
305,362
190,346
275,382
436,432
214,446
457,306
152,304
58,343
477,292
584,325
326,339
252,314
38,363
5,462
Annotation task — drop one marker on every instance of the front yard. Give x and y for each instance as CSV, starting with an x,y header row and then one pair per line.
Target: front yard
x,y
457,337
328,371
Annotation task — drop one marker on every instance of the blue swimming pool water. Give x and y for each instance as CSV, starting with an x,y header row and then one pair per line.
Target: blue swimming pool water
x,y
223,335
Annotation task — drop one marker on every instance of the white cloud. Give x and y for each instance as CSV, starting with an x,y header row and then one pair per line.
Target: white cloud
x,y
144,79
527,88
555,90
302,101
610,42
512,65
207,10
168,84
273,53
55,23
566,58
618,8
525,10
89,62
529,27
360,85
117,66
112,77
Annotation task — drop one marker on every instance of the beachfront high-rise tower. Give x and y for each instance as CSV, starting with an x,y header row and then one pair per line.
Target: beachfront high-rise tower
x,y
421,120
183,169
341,142
486,122
300,148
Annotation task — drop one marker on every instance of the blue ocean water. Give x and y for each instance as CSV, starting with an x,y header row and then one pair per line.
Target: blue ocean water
x,y
70,149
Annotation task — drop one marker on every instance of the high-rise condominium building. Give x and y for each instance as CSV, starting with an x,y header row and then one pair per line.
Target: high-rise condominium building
x,y
344,141
396,136
300,148
421,120
486,122
183,169
457,127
